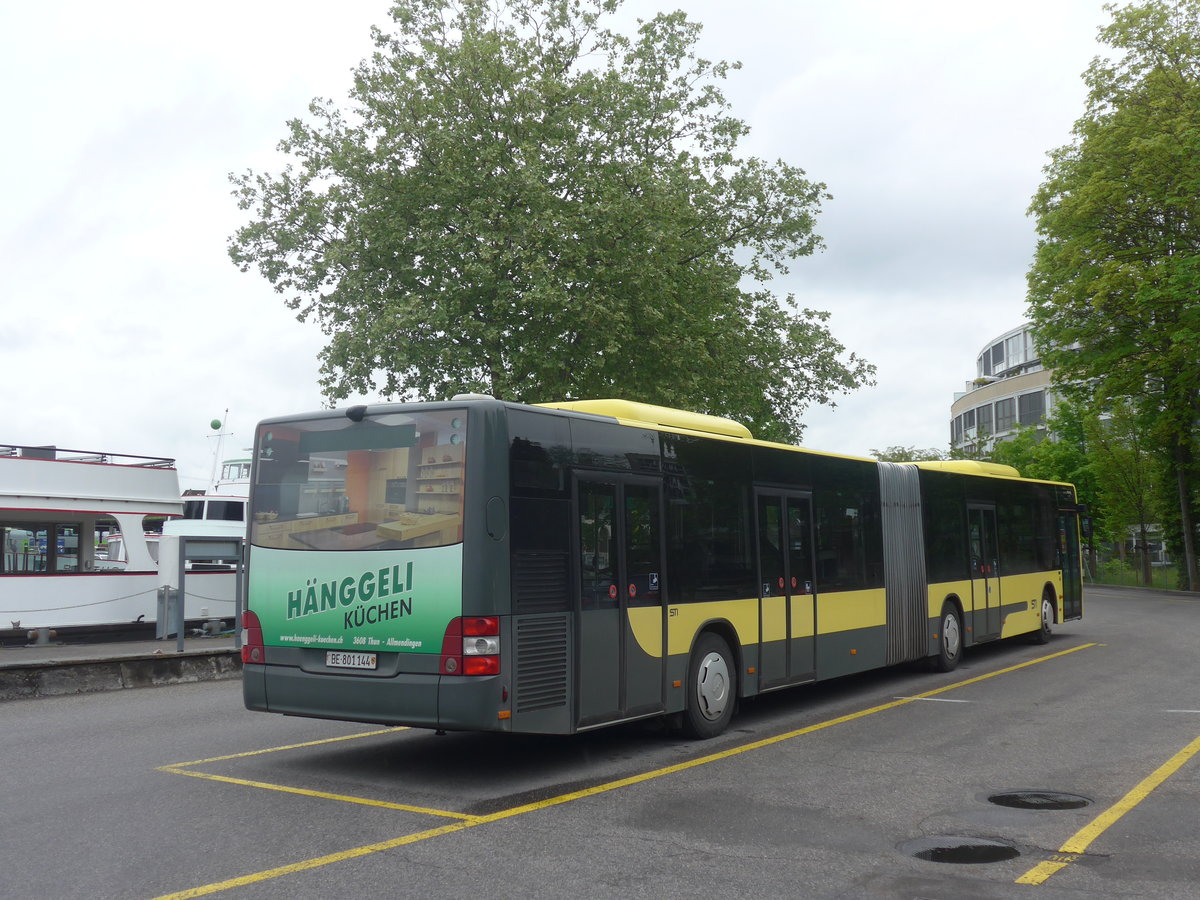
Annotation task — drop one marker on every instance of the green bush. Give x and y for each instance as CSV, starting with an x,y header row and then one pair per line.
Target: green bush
x,y
1121,573
1115,571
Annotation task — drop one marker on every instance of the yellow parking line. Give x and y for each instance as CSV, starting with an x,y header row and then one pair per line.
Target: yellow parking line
x,y
355,852
182,769
316,863
1082,839
304,792
332,740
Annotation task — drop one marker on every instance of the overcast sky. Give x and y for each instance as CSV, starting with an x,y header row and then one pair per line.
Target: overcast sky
x,y
125,328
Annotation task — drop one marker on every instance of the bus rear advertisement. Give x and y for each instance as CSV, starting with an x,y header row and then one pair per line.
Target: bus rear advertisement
x,y
345,600
481,565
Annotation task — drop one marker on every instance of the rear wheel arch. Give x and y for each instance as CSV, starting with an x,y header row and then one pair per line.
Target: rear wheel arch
x,y
956,602
1051,592
712,685
950,636
723,629
1047,615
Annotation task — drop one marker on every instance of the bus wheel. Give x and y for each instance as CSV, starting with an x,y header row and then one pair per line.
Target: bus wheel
x,y
712,688
1042,635
949,640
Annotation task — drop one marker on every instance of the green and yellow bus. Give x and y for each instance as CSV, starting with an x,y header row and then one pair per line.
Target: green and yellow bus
x,y
480,565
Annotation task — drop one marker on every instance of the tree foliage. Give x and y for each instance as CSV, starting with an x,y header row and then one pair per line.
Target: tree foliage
x,y
1061,451
520,201
901,453
1112,290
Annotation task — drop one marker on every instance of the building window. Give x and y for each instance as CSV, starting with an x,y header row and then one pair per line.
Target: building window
x,y
983,420
1005,414
991,360
1032,407
1015,350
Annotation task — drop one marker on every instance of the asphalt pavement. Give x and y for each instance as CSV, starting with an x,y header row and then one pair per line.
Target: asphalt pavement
x,y
886,785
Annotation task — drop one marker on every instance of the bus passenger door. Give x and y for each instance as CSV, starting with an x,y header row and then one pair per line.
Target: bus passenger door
x,y
1069,560
985,571
620,635
641,564
787,601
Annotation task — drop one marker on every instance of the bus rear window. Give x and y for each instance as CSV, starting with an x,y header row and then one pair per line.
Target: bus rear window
x,y
388,482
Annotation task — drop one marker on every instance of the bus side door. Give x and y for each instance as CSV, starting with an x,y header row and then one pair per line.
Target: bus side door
x,y
620,633
985,571
1070,562
787,600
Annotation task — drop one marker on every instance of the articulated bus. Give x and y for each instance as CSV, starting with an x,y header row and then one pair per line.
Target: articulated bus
x,y
480,565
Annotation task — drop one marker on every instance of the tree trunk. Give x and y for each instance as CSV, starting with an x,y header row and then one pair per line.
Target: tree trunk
x,y
1186,521
1144,549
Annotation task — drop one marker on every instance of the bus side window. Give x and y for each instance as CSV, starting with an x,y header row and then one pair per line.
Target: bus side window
x,y
597,503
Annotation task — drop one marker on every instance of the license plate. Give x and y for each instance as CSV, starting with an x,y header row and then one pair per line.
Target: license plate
x,y
335,659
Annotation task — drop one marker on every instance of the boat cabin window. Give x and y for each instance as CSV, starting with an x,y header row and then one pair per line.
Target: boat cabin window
x,y
112,552
21,548
215,510
236,471
36,547
226,510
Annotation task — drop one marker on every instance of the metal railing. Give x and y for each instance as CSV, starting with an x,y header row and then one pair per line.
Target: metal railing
x,y
62,454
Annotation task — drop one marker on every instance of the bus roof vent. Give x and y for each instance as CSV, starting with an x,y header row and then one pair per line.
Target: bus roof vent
x,y
457,397
631,412
969,467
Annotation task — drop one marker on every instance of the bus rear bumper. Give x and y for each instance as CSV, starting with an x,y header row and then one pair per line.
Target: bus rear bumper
x,y
417,700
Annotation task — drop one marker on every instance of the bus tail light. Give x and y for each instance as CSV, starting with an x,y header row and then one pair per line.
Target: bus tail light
x,y
471,646
253,649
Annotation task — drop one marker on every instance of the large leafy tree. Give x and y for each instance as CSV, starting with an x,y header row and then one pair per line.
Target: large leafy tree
x,y
1113,288
520,201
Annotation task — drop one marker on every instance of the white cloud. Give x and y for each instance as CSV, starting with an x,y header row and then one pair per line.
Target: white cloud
x,y
125,327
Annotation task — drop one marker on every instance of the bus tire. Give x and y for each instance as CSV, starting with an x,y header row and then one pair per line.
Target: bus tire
x,y
950,640
1042,635
711,688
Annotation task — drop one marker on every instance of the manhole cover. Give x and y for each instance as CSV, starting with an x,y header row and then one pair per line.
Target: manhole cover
x,y
1039,800
960,850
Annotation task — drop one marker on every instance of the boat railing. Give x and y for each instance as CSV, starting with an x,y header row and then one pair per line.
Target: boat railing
x,y
62,454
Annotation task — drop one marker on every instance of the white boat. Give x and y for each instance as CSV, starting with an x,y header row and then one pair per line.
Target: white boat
x,y
80,535
57,510
220,511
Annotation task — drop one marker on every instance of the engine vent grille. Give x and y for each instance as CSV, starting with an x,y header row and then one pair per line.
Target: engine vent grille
x,y
541,679
540,582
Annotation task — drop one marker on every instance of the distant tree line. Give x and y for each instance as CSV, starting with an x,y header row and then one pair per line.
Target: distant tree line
x,y
1114,289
